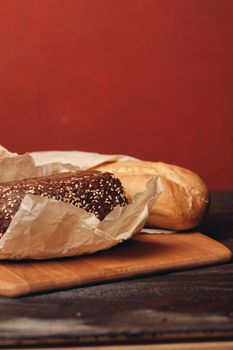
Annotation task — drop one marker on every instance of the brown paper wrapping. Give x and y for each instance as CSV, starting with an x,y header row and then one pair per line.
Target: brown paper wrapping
x,y
45,228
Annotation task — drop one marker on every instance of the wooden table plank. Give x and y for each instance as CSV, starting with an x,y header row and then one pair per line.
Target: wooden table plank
x,y
225,345
183,306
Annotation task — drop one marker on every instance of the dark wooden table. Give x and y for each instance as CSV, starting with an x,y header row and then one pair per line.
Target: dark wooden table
x,y
194,305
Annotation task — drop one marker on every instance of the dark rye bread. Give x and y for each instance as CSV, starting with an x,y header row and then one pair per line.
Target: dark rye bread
x,y
96,192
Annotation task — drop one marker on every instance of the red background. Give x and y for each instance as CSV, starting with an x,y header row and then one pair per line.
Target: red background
x,y
148,78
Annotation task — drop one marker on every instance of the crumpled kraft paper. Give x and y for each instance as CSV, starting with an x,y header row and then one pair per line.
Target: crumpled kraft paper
x,y
60,161
45,228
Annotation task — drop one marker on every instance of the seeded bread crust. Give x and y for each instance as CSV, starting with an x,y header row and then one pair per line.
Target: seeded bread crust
x,y
96,192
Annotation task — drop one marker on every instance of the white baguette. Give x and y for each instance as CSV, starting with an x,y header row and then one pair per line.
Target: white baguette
x,y
185,199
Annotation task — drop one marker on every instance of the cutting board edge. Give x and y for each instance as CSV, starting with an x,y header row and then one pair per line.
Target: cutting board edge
x,y
209,257
23,290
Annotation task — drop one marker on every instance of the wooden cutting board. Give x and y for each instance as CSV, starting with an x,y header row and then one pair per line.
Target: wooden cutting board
x,y
145,254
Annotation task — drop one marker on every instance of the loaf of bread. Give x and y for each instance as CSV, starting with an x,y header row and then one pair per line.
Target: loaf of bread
x,y
184,201
94,191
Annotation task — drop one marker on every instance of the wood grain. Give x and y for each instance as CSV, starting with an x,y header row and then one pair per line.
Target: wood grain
x,y
226,345
195,305
145,254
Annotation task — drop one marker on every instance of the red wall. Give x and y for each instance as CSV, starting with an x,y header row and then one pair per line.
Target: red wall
x,y
149,78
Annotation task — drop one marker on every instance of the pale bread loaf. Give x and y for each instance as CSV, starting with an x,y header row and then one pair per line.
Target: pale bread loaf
x,y
185,199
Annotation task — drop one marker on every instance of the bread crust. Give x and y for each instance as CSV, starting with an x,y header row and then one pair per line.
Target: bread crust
x,y
96,192
185,199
